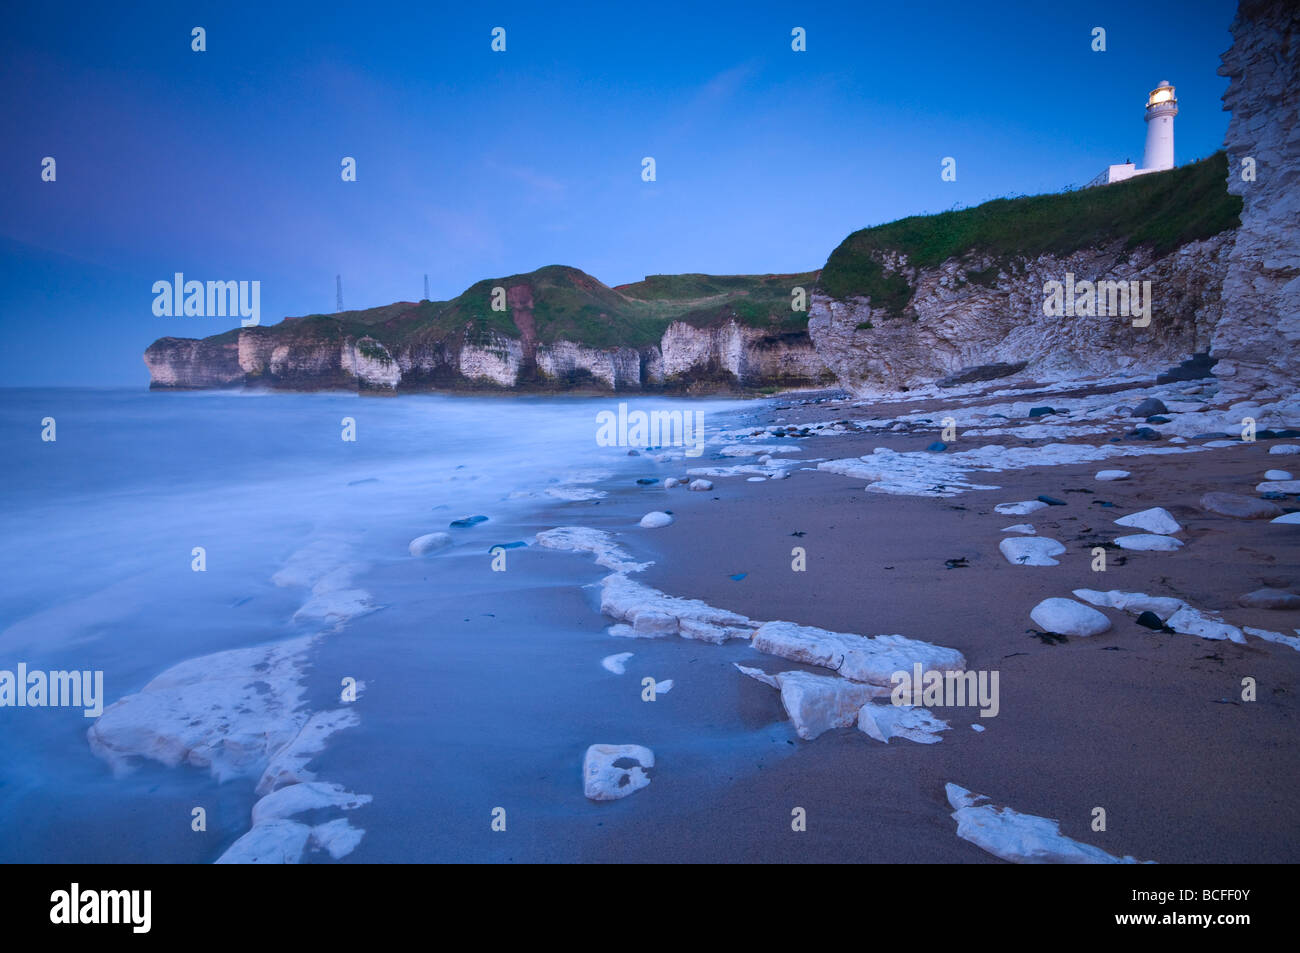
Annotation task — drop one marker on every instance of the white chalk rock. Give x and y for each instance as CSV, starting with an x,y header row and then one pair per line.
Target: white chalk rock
x,y
1277,475
584,539
428,543
1105,475
1278,486
1291,640
885,721
1292,518
671,482
855,657
309,796
818,703
616,663
1189,621
701,485
1282,449
1019,838
1155,520
1031,551
664,686
1067,617
604,780
650,612
655,520
275,842
1133,602
337,837
288,765
1148,542
1026,528
1023,508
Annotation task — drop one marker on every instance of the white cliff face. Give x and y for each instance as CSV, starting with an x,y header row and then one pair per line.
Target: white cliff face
x,y
370,363
956,320
497,363
1258,337
752,355
617,367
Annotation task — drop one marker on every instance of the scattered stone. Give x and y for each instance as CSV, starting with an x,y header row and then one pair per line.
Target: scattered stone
x,y
1067,617
1040,411
1142,433
1124,410
1155,520
1279,486
1291,518
423,545
1189,621
1284,449
1150,407
647,481
1031,550
957,563
1147,542
1157,419
1238,507
701,485
1276,475
1268,598
1162,606
887,720
467,521
1291,640
1216,435
976,727
1153,621
938,446
616,663
603,779
655,520
1106,475
1023,508
818,703
1051,500
1026,528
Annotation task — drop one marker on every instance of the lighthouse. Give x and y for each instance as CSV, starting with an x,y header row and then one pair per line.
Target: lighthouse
x,y
1162,107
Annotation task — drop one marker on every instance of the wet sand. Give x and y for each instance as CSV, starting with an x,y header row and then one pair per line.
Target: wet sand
x,y
1148,725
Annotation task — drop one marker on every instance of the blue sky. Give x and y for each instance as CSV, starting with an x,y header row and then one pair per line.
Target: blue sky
x,y
472,164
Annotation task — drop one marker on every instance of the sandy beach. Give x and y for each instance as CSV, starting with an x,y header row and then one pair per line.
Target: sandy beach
x,y
1149,725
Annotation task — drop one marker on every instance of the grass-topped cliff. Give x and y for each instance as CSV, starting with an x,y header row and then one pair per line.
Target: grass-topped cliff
x,y
1162,210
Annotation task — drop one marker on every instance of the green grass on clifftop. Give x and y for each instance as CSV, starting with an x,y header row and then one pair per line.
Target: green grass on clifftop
x,y
1162,210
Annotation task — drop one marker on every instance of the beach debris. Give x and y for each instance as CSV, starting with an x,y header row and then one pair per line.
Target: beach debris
x,y
428,543
655,520
1023,508
1051,500
1269,598
701,485
610,772
1019,838
856,657
1156,520
1148,542
957,563
1067,617
1149,407
887,720
976,727
1238,507
1031,550
467,521
647,481
616,663
739,576
817,703
1106,475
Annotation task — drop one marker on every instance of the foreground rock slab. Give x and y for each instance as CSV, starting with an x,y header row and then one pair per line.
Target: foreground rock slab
x,y
610,772
857,657
1019,838
817,703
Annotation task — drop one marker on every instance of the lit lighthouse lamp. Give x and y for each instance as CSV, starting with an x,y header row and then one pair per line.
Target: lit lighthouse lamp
x,y
1162,107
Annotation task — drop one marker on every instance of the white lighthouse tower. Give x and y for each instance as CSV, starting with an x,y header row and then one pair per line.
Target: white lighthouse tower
x,y
1162,107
